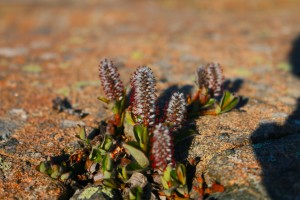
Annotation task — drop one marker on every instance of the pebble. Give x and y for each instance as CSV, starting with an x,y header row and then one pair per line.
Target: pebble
x,y
70,123
12,52
279,115
7,128
18,112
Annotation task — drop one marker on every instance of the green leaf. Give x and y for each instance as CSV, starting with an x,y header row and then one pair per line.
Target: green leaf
x,y
65,176
164,183
169,191
218,109
103,99
138,132
42,167
107,143
167,173
82,133
181,173
142,136
123,174
174,175
209,103
136,193
182,190
107,174
128,118
133,167
106,163
231,105
55,172
119,106
228,102
110,183
138,155
96,155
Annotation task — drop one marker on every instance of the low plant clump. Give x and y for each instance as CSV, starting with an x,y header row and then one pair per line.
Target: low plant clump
x,y
132,154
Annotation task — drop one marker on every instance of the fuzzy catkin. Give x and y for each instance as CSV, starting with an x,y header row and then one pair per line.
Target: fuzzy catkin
x,y
211,78
110,80
162,150
176,111
143,97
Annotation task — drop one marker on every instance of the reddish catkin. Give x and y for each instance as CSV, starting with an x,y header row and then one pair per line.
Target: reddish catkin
x,y
143,97
176,111
210,77
162,150
110,80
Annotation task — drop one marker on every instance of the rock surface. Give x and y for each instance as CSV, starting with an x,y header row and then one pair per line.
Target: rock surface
x,y
52,48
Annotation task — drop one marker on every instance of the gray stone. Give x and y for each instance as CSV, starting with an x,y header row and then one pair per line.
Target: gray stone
x,y
7,128
18,112
70,123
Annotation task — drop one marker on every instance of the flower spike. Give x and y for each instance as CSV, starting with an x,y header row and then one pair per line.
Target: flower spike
x,y
211,78
143,97
176,111
162,151
110,80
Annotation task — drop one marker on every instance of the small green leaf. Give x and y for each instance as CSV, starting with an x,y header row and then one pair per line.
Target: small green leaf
x,y
103,99
174,175
123,174
181,173
164,183
42,167
169,191
106,163
167,173
138,131
228,102
138,155
182,190
96,155
107,175
110,183
133,167
65,176
226,98
209,103
55,172
136,193
142,136
82,133
217,109
107,143
129,119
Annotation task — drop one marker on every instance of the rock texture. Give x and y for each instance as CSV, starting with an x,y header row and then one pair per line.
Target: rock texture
x,y
52,48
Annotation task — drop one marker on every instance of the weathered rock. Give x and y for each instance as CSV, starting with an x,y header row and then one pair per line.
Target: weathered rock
x,y
95,193
7,128
70,123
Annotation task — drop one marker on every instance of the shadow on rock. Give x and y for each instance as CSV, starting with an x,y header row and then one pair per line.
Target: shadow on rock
x,y
277,148
164,98
294,57
184,137
233,86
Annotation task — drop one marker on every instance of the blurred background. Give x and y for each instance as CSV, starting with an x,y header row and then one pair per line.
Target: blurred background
x,y
56,44
51,48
